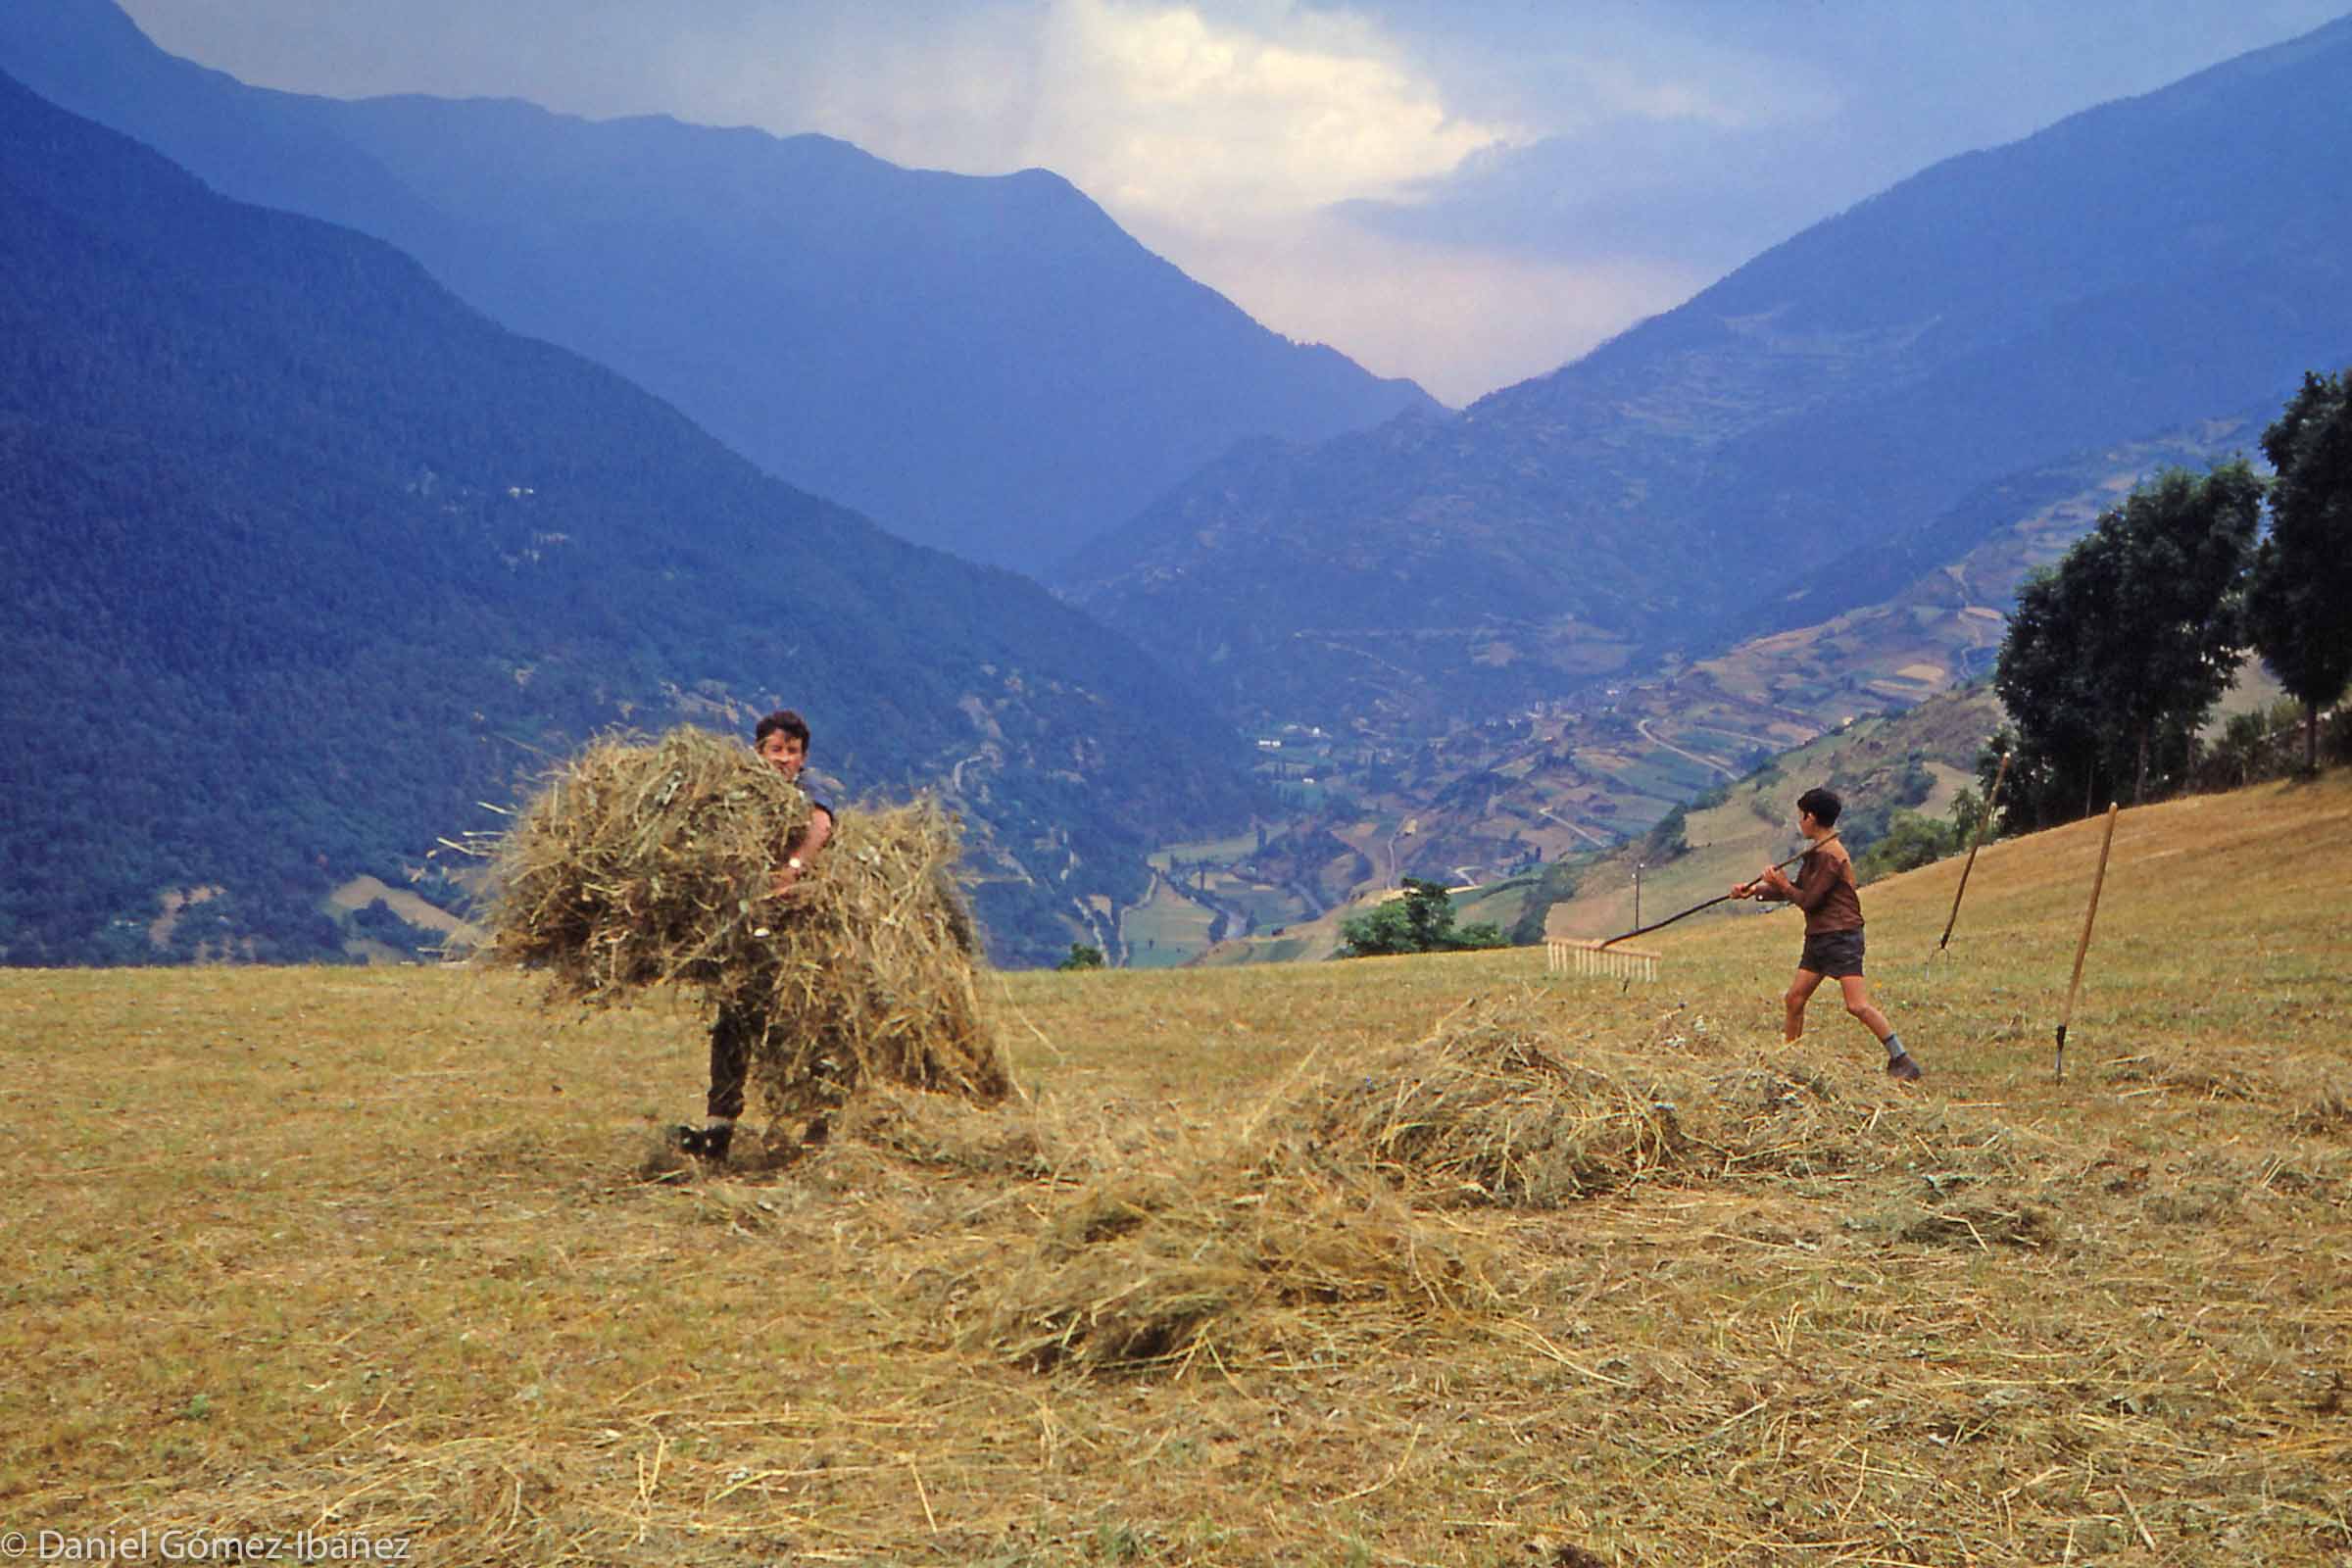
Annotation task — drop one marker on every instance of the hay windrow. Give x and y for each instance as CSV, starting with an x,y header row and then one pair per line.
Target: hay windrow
x,y
640,866
1489,1109
1309,1230
2325,1112
944,1133
1499,1106
1239,1258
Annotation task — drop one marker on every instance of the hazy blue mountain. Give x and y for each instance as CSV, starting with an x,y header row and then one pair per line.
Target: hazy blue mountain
x,y
2132,268
305,556
990,366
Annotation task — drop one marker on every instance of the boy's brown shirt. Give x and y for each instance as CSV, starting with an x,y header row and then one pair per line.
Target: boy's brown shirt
x,y
1826,891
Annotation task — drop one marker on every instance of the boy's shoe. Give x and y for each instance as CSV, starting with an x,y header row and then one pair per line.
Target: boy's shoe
x,y
704,1143
1904,1068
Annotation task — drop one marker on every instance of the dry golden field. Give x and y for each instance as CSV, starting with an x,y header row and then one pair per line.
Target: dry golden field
x,y
383,1255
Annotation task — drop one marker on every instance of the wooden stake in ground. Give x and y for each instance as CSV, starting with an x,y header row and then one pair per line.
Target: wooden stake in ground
x,y
2082,946
1992,804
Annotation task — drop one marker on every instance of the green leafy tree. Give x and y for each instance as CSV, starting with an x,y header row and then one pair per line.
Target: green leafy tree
x,y
2114,659
2044,678
1968,813
1083,956
2171,640
2238,756
1668,840
1910,842
2299,593
1422,922
1557,885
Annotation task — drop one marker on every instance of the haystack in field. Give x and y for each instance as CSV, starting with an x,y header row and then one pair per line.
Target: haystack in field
x,y
1229,1257
1487,1110
642,865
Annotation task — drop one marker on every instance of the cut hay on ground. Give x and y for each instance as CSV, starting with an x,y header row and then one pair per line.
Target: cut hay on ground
x,y
941,1133
641,866
1503,1104
1488,1108
1235,1259
1316,1228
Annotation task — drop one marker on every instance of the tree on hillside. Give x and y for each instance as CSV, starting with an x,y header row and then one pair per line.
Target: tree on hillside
x,y
2175,633
2044,677
1557,885
2299,593
2114,659
1968,812
1910,842
1422,922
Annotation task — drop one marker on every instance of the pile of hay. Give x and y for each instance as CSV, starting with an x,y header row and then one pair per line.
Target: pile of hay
x,y
1485,1109
1320,1226
1232,1257
642,865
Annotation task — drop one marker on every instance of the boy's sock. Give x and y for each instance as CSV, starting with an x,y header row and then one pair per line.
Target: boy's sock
x,y
1894,1043
1899,1063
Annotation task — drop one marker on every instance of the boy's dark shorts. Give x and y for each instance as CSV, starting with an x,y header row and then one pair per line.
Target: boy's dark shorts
x,y
1836,954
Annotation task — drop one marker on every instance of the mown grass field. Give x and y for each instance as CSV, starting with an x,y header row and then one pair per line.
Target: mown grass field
x,y
377,1252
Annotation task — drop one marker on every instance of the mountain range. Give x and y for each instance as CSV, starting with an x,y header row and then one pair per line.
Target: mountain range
x,y
306,558
1744,463
317,543
990,366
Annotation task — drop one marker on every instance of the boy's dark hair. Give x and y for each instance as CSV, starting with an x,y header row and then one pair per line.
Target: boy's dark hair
x,y
1823,804
785,720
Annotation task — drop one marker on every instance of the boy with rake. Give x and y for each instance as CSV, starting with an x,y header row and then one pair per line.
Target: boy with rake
x,y
782,741
1825,890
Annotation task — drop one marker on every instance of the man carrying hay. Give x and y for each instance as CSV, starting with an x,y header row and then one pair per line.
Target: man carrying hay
x,y
1825,890
782,741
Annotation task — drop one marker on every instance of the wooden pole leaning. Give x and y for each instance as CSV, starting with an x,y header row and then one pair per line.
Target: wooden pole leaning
x,y
2089,915
1992,804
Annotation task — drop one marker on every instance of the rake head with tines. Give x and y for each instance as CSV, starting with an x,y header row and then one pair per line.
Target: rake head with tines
x,y
1599,958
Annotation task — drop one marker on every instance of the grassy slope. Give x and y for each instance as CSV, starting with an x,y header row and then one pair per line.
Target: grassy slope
x,y
368,1251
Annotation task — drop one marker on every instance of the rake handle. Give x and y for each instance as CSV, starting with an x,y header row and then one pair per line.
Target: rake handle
x,y
1720,897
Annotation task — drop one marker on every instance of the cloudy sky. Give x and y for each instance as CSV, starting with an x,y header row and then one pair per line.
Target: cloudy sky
x,y
1468,193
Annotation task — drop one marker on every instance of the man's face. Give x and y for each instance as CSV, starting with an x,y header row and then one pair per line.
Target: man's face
x,y
786,754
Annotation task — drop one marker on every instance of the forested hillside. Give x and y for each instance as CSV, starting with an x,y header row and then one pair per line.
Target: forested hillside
x,y
305,558
991,366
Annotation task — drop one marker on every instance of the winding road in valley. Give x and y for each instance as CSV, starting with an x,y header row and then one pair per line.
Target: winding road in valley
x,y
1725,769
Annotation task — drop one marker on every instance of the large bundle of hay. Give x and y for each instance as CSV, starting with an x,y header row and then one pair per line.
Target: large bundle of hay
x,y
1487,1110
640,866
